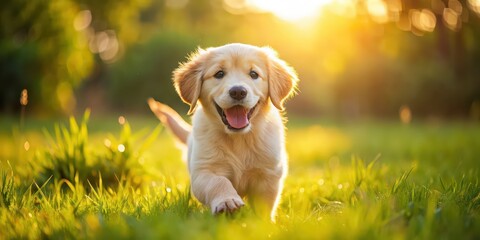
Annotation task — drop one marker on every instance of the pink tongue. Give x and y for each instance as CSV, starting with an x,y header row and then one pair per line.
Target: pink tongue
x,y
237,116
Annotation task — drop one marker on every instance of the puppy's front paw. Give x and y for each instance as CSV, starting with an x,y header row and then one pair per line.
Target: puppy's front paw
x,y
228,204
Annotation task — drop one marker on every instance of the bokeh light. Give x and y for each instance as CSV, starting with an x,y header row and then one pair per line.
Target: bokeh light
x,y
423,20
107,142
451,18
82,20
24,97
106,44
121,148
321,181
26,145
405,114
394,6
122,120
456,6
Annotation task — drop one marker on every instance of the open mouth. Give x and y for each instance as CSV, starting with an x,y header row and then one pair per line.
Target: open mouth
x,y
235,118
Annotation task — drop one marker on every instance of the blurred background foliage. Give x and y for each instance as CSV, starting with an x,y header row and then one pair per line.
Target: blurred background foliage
x,y
355,58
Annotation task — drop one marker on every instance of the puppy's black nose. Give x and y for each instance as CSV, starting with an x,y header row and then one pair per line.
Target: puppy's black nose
x,y
238,92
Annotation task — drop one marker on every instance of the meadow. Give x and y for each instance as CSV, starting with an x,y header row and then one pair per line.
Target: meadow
x,y
123,178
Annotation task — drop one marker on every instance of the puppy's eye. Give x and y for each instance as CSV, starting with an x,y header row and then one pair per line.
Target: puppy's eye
x,y
253,74
219,75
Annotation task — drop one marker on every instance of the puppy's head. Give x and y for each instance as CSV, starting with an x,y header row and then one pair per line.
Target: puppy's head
x,y
233,82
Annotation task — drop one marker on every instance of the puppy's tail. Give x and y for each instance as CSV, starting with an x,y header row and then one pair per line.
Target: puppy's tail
x,y
171,119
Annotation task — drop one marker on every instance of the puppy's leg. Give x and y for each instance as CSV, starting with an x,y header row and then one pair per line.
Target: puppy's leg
x,y
265,197
216,192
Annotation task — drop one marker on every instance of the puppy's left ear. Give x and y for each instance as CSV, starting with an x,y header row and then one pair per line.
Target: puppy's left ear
x,y
187,78
282,79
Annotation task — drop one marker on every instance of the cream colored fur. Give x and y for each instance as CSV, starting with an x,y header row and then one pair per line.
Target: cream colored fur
x,y
227,166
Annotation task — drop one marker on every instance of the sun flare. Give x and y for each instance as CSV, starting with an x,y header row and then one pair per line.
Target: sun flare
x,y
291,10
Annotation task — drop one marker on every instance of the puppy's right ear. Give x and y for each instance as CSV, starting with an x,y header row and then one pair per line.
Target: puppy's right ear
x,y
282,79
187,78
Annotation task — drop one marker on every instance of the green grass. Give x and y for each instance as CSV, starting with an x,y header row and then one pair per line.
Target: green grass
x,y
362,180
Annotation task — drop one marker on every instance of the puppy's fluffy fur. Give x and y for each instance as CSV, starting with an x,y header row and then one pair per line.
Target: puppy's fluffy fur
x,y
235,145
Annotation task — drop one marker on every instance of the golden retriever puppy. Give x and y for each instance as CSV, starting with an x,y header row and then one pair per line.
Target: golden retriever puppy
x,y
235,146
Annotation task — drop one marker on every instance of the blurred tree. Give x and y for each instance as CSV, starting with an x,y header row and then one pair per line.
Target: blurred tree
x,y
146,67
42,52
146,71
366,57
431,70
46,47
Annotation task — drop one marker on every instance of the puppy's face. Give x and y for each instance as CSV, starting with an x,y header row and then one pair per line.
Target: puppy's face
x,y
233,82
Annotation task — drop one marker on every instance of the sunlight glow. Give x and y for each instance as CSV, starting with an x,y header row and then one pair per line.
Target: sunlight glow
x,y
475,5
378,10
290,10
395,6
346,8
